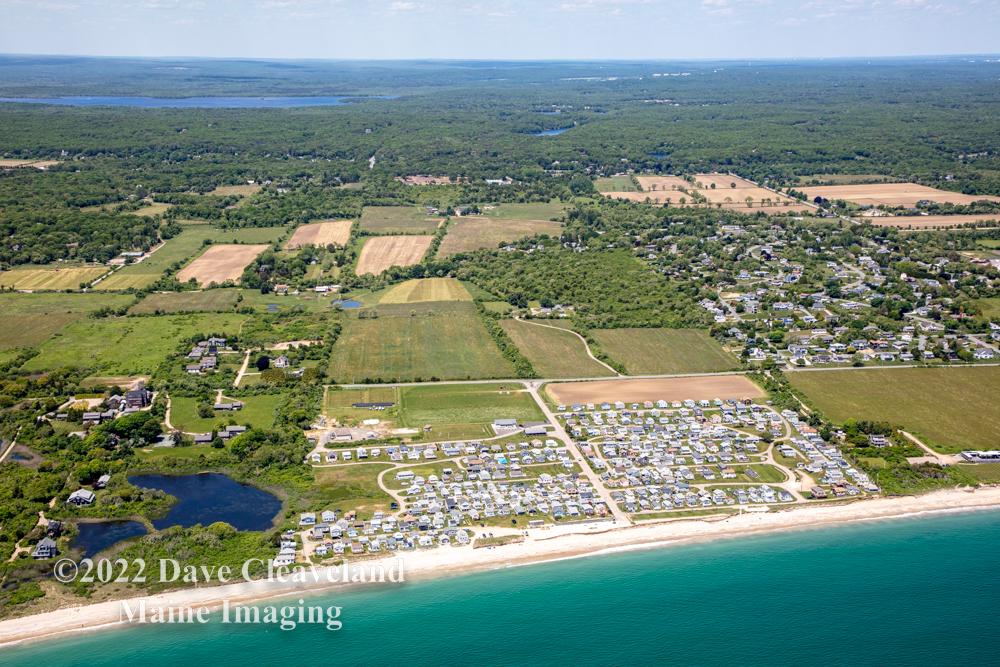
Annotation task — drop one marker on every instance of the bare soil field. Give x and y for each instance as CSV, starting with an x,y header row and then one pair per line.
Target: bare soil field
x,y
10,163
381,252
892,194
929,221
657,183
421,179
220,263
668,389
474,232
243,190
322,233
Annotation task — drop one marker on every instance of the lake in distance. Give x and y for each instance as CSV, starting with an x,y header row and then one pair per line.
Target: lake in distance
x,y
913,591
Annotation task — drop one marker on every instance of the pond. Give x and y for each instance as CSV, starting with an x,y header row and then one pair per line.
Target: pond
x,y
347,304
191,102
551,133
209,497
96,536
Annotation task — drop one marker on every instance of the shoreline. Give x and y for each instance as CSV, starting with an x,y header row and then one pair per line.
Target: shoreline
x,y
541,546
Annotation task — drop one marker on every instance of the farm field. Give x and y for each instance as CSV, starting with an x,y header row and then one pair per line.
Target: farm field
x,y
338,404
421,179
38,278
620,183
950,409
668,389
242,190
892,194
408,342
718,190
426,289
28,319
529,211
398,220
220,263
180,248
14,163
843,179
215,300
258,411
662,351
127,345
463,411
322,233
381,252
470,233
351,488
928,221
553,353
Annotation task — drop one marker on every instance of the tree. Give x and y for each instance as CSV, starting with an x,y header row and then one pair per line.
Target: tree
x,y
263,362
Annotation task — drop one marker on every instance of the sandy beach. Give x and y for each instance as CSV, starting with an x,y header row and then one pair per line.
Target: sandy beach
x,y
541,545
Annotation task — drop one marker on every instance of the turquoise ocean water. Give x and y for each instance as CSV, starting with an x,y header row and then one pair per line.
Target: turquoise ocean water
x,y
905,592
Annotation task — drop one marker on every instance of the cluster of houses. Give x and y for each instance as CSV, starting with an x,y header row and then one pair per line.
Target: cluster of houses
x,y
204,356
226,433
825,460
46,547
114,407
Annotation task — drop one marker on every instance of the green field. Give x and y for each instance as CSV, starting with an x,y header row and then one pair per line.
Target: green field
x,y
258,411
663,351
950,409
398,220
51,278
352,487
184,246
426,289
554,353
615,184
338,404
28,319
990,308
444,340
127,345
216,300
470,233
532,211
463,411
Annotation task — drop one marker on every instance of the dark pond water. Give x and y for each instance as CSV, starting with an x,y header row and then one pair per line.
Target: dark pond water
x,y
348,304
210,497
18,456
98,536
551,133
190,102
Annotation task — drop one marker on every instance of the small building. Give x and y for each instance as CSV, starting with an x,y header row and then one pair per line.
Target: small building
x,y
81,497
102,481
46,548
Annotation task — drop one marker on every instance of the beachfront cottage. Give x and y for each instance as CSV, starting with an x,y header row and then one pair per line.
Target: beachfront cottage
x,y
46,548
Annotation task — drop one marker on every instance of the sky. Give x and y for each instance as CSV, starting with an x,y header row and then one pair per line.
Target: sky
x,y
501,29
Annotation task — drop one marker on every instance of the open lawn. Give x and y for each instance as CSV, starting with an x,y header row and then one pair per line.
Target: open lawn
x,y
662,351
620,183
127,345
50,278
180,248
553,352
322,233
398,220
258,411
464,411
529,211
220,263
216,300
153,208
242,190
444,340
28,319
668,389
338,404
470,233
950,409
426,289
380,252
891,194
990,308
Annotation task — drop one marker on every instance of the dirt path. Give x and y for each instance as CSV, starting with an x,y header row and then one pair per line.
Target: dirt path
x,y
583,340
942,459
243,370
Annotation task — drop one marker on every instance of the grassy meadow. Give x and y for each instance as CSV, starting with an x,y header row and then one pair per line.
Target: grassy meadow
x,y
950,409
411,342
398,220
29,319
664,351
554,353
